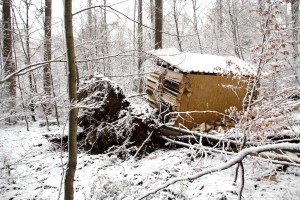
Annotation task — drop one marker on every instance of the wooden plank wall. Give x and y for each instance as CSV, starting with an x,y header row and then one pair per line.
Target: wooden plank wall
x,y
211,93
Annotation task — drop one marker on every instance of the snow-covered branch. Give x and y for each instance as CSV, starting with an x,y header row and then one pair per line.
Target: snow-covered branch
x,y
238,158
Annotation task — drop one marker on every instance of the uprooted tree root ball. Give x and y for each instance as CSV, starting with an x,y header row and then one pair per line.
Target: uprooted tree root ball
x,y
110,123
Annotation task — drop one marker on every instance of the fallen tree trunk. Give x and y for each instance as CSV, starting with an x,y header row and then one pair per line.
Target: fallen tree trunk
x,y
220,140
196,137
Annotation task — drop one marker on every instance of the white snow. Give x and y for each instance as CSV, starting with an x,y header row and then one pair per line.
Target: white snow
x,y
30,168
193,62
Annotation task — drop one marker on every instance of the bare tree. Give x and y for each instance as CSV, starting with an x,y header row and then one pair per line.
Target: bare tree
x,y
28,53
18,79
158,23
295,21
9,67
220,17
195,21
90,18
235,30
28,61
47,47
140,43
72,81
152,18
48,79
295,31
176,16
104,48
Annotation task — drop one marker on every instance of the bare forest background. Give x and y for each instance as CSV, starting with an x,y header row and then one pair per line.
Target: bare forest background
x,y
110,40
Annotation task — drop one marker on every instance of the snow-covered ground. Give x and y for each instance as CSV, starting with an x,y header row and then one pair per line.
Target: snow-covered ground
x,y
30,168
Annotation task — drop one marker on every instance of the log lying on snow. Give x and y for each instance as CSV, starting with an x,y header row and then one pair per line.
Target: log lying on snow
x,y
196,137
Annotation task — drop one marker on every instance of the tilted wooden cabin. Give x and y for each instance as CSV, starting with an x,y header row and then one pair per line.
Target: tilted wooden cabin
x,y
196,86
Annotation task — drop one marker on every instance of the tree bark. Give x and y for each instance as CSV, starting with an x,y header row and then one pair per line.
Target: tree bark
x,y
220,17
104,48
47,47
72,80
90,19
295,31
295,22
152,18
9,67
140,43
158,23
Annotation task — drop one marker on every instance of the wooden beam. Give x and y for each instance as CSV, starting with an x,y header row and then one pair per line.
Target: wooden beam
x,y
170,99
178,77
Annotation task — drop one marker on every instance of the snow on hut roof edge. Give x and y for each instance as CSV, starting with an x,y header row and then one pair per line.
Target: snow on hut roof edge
x,y
206,63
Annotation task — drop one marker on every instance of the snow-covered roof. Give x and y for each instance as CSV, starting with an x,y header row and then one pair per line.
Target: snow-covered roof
x,y
193,62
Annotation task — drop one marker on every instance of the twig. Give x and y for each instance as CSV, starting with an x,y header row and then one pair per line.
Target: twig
x,y
142,144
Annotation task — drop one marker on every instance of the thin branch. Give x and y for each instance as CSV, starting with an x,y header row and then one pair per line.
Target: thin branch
x,y
106,57
37,65
31,67
101,6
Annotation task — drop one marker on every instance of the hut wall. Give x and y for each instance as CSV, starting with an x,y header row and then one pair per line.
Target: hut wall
x,y
210,93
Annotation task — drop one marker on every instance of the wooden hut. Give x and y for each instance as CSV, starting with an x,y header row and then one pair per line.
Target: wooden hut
x,y
196,88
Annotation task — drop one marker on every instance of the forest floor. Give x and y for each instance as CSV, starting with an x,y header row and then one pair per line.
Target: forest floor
x,y
31,168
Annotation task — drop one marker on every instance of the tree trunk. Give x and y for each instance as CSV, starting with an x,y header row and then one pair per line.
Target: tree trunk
x,y
140,43
220,17
196,24
7,52
158,23
175,15
235,31
104,47
295,21
28,62
90,19
47,47
27,53
107,60
18,79
72,81
152,18
134,25
295,24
